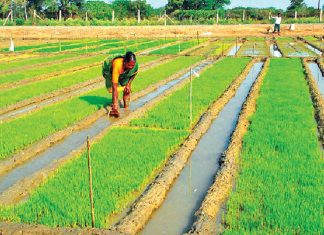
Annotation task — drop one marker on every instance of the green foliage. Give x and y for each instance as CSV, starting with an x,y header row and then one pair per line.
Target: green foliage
x,y
177,48
99,10
36,72
290,47
59,116
120,171
254,47
173,113
279,189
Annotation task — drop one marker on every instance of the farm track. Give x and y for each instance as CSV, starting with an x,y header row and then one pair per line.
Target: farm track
x,y
142,209
22,188
30,105
318,101
224,180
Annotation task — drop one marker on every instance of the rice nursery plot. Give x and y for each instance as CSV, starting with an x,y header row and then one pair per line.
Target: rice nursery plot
x,y
292,48
12,96
254,47
36,72
216,48
61,115
140,161
279,188
177,48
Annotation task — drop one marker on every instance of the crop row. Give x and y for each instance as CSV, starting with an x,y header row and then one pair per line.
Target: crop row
x,y
21,132
177,48
44,45
289,47
42,71
214,48
12,96
124,168
254,48
280,184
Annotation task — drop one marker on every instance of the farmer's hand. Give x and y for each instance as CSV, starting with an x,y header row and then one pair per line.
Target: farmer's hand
x,y
127,89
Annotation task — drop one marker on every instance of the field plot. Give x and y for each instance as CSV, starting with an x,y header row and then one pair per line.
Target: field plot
x,y
292,48
315,42
281,141
53,95
216,48
142,159
254,47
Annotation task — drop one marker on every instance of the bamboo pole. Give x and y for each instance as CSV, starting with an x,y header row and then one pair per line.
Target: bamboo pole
x,y
90,184
190,97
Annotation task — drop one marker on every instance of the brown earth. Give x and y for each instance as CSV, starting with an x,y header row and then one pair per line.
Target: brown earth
x,y
129,32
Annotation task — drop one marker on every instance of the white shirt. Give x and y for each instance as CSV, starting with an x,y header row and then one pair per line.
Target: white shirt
x,y
278,19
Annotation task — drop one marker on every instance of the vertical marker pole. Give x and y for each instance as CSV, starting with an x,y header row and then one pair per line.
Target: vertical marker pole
x,y
223,48
236,48
90,183
190,97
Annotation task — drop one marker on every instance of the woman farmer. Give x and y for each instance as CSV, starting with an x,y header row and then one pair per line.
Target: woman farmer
x,y
120,70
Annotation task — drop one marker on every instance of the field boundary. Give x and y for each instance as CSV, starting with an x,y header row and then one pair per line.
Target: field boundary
x,y
318,101
224,179
153,197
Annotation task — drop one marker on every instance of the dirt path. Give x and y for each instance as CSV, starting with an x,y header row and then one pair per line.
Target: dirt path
x,y
78,32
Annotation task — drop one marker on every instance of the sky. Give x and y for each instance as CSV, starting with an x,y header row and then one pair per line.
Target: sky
x,y
248,3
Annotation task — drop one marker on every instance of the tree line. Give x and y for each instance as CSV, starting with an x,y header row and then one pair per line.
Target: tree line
x,y
179,9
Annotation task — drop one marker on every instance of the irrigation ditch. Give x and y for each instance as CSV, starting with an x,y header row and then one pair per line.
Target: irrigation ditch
x,y
152,198
318,101
206,217
94,126
30,105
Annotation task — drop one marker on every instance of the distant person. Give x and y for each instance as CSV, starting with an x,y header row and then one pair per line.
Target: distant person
x,y
120,70
277,23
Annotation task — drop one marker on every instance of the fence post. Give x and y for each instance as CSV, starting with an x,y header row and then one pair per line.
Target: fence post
x,y
217,17
138,16
90,184
296,14
113,16
321,15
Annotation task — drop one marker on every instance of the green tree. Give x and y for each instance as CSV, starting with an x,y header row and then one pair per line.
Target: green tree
x,y
296,4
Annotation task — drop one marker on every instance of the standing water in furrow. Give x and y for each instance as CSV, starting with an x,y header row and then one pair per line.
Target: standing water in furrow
x,y
176,215
317,74
77,138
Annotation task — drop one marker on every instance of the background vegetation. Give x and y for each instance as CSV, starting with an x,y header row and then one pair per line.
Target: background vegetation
x,y
98,12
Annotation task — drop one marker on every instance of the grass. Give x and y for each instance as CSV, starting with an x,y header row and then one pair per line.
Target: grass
x,y
173,113
279,189
21,132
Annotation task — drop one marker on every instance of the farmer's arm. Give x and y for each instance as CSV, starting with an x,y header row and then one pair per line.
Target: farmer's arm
x,y
128,88
115,78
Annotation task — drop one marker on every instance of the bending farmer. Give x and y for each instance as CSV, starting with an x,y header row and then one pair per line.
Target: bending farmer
x,y
120,70
277,23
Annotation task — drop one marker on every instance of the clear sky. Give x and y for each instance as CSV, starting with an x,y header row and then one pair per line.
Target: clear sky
x,y
249,3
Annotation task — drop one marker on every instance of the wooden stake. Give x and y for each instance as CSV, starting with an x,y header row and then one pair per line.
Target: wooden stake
x,y
90,183
113,16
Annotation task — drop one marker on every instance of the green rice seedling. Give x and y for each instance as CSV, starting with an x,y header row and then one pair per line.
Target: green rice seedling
x,y
254,47
21,132
279,189
123,162
36,72
35,61
173,113
289,47
214,48
175,49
